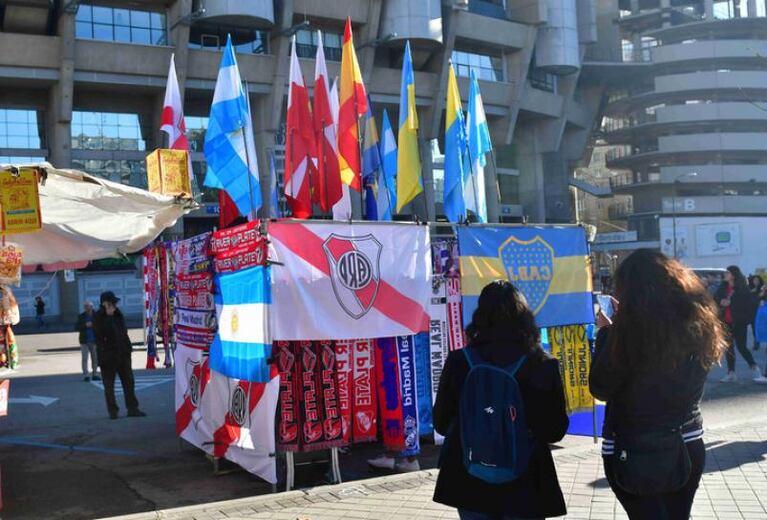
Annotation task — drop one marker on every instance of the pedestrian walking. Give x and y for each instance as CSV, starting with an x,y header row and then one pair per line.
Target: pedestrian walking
x,y
114,355
737,309
500,403
39,311
87,338
757,289
650,366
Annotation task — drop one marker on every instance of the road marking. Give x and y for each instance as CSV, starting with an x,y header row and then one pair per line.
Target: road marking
x,y
141,382
88,449
34,399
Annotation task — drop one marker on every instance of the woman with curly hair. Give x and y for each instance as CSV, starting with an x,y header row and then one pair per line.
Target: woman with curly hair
x,y
650,366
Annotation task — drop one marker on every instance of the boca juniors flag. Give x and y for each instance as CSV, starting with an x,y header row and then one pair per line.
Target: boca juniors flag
x,y
550,265
344,281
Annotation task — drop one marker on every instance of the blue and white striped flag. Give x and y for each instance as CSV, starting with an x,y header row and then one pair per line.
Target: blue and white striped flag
x,y
479,144
243,344
274,195
229,146
387,176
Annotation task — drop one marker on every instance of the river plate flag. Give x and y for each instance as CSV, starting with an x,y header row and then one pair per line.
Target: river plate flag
x,y
242,345
550,265
346,281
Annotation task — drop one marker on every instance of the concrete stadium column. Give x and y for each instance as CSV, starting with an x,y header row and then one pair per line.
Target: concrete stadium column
x,y
179,38
267,111
370,33
531,182
492,190
59,116
427,173
708,8
432,117
751,5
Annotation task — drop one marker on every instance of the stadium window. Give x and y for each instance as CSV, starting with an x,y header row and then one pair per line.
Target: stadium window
x,y
95,22
485,66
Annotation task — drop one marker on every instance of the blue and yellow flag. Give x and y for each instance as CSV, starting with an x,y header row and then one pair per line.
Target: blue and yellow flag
x,y
549,265
409,183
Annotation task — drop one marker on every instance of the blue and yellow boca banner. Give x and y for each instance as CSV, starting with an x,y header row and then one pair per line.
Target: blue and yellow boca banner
x,y
549,265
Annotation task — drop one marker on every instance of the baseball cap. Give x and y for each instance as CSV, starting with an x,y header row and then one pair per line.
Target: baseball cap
x,y
109,296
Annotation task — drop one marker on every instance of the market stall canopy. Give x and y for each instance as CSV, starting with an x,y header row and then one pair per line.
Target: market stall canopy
x,y
88,218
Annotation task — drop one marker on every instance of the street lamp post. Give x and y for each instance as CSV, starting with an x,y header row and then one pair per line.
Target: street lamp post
x,y
673,204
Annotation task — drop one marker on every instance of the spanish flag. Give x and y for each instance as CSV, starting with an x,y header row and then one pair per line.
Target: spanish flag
x,y
353,106
409,183
549,265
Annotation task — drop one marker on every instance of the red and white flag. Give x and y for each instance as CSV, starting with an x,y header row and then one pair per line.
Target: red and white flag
x,y
300,143
241,416
342,281
192,377
328,186
173,115
342,210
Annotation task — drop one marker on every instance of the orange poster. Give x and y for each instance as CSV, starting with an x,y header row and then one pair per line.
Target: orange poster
x,y
168,172
19,202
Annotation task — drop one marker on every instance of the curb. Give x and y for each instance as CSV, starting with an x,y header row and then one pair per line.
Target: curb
x,y
296,498
375,485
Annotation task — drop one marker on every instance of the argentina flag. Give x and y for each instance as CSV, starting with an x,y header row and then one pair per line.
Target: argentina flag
x,y
243,344
229,146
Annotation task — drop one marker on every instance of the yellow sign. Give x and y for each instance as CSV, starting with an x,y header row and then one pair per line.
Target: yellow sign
x,y
167,172
10,264
19,202
570,345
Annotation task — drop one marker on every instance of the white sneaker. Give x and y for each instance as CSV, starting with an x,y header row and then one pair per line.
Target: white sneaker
x,y
404,465
382,462
729,378
758,377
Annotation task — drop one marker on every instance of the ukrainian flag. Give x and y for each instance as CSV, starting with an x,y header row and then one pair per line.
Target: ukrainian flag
x,y
549,265
409,183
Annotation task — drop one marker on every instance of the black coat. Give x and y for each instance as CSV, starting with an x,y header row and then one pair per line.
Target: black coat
x,y
536,493
82,328
743,305
646,401
113,345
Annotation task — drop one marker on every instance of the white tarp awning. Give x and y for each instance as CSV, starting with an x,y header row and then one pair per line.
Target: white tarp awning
x,y
88,218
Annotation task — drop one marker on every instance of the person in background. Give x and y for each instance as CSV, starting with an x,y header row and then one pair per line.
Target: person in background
x,y
650,366
87,339
756,286
503,332
39,311
114,348
737,309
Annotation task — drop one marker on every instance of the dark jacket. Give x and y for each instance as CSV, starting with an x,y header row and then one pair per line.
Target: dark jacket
x,y
646,401
81,327
534,494
112,342
743,305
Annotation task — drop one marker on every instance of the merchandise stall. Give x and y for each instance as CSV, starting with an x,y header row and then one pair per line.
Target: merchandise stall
x,y
299,336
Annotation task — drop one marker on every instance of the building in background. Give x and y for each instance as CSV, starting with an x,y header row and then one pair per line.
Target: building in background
x,y
82,84
686,117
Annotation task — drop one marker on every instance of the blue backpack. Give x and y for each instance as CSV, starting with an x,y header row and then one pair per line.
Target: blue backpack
x,y
495,439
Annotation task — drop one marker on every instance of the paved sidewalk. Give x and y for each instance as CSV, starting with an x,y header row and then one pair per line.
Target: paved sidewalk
x,y
734,487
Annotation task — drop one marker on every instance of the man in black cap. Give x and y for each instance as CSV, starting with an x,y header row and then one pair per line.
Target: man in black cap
x,y
113,347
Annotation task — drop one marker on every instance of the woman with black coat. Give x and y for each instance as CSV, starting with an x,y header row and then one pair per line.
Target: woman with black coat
x,y
503,330
650,366
737,309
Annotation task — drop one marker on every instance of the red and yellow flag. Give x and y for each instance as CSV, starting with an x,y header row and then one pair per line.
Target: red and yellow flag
x,y
353,106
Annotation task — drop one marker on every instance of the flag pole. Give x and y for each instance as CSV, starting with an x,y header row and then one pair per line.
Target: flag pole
x,y
362,179
247,155
473,184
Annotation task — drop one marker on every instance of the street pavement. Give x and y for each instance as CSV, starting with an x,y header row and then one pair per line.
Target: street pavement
x,y
61,457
